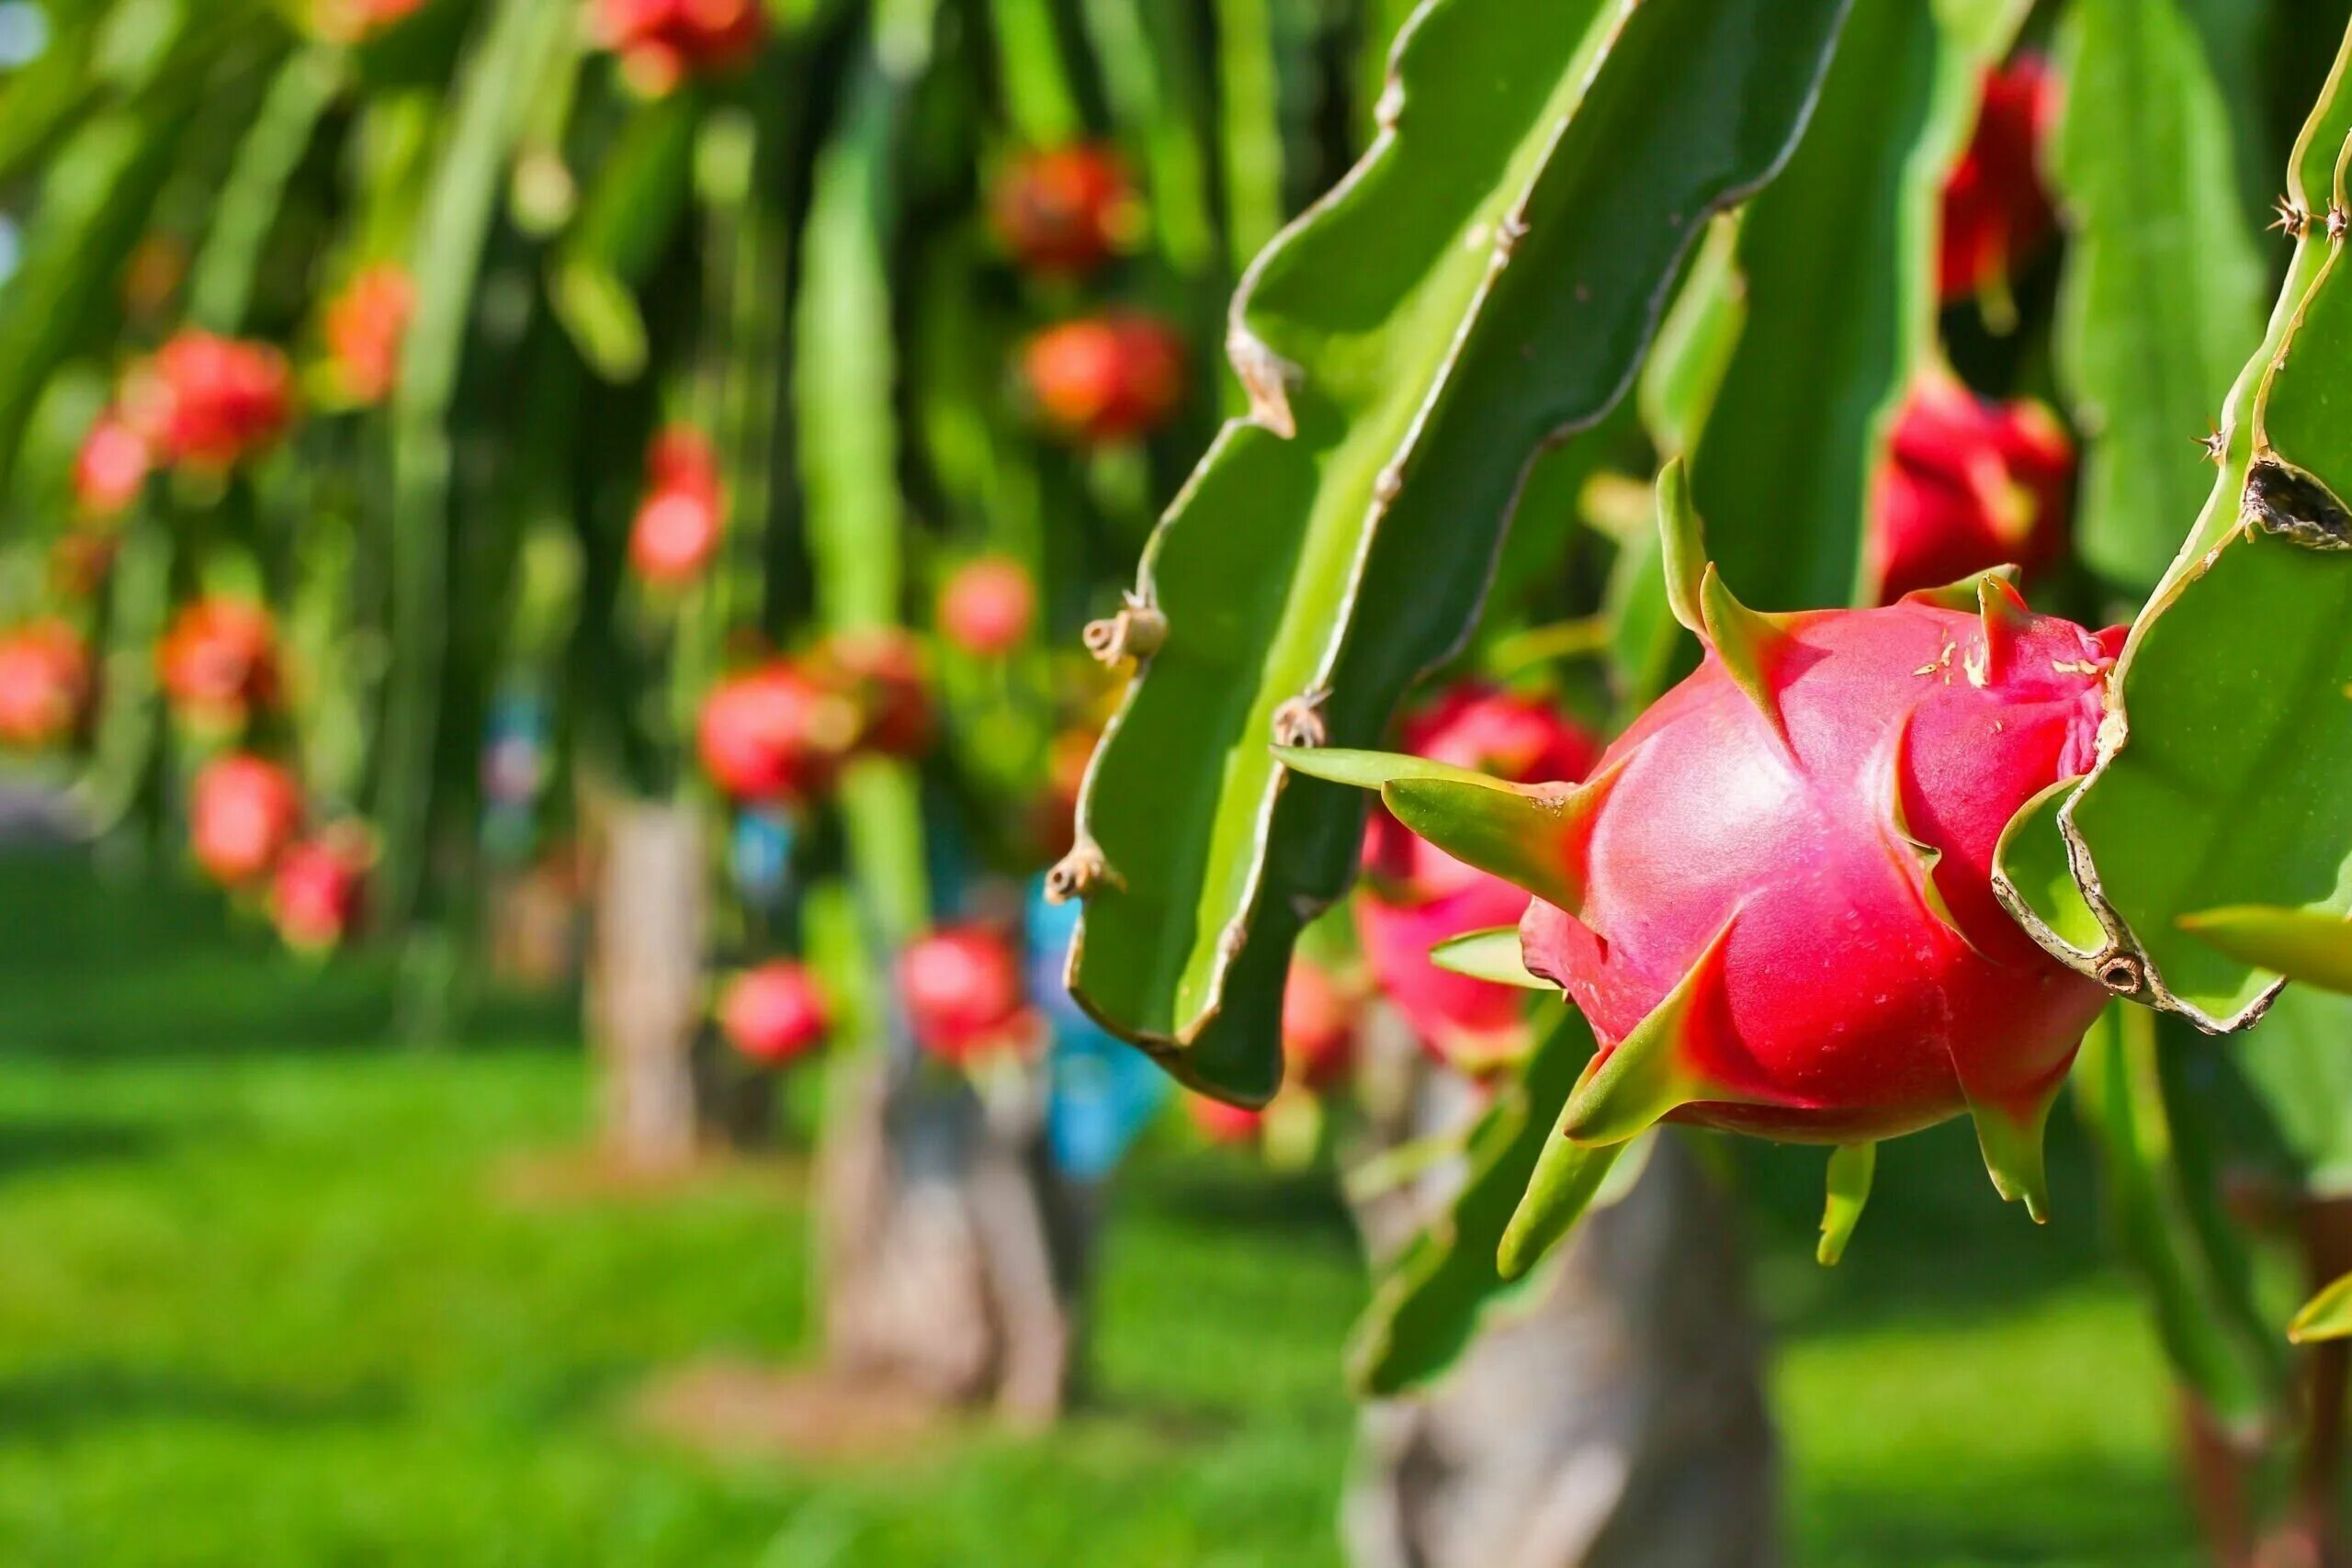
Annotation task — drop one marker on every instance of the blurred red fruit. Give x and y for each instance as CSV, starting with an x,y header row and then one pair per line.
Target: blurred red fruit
x,y
664,42
1318,1026
44,682
1066,211
111,467
677,527
1223,1124
211,401
1969,485
773,1014
774,735
986,606
1108,378
218,661
363,327
1415,896
963,992
1996,211
242,812
1054,819
319,890
880,670
356,21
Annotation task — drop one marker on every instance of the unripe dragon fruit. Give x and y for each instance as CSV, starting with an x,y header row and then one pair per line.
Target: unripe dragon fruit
x,y
677,524
986,606
774,1014
963,995
1416,896
1109,378
1063,211
44,683
363,326
774,735
1996,211
1772,900
1969,485
242,812
219,662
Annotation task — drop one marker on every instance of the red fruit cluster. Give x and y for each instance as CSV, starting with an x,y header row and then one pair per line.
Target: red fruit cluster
x,y
44,683
774,1014
218,661
363,327
1106,378
244,814
962,989
677,525
775,735
1969,485
1996,211
1415,896
987,607
111,467
209,403
1064,212
664,42
319,891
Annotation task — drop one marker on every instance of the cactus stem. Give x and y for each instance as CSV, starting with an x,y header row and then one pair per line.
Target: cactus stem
x,y
2291,220
2216,445
2338,222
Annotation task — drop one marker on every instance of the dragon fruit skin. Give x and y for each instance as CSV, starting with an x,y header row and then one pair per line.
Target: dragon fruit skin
x,y
1795,883
1969,485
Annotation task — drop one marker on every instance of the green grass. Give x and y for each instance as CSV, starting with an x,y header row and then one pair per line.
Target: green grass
x,y
266,1297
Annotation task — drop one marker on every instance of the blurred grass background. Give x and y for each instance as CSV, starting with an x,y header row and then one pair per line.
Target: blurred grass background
x,y
272,1293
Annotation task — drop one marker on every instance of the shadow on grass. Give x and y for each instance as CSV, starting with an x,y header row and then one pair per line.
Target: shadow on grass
x,y
58,1402
29,1147
1231,1194
2078,1515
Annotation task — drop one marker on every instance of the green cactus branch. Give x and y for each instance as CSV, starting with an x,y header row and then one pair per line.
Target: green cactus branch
x,y
2221,765
1485,281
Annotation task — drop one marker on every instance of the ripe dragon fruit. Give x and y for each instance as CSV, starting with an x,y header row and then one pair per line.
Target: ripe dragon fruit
x,y
1415,896
242,812
1969,485
1996,211
44,683
774,1014
1319,1027
986,606
111,467
664,42
880,670
964,994
775,735
219,662
1772,900
1105,379
677,524
1063,211
319,890
209,403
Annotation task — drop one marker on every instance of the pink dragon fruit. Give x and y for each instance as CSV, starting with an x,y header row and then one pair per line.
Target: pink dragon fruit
x,y
1997,209
1319,1027
1969,485
1415,896
1772,901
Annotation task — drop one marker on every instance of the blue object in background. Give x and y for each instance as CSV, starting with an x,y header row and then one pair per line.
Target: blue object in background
x,y
759,857
1104,1091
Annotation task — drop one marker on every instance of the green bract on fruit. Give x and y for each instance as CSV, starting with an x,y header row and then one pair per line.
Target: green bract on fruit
x,y
1773,899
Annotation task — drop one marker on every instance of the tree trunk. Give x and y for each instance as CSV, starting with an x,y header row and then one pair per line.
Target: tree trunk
x,y
948,1247
1615,1419
646,986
